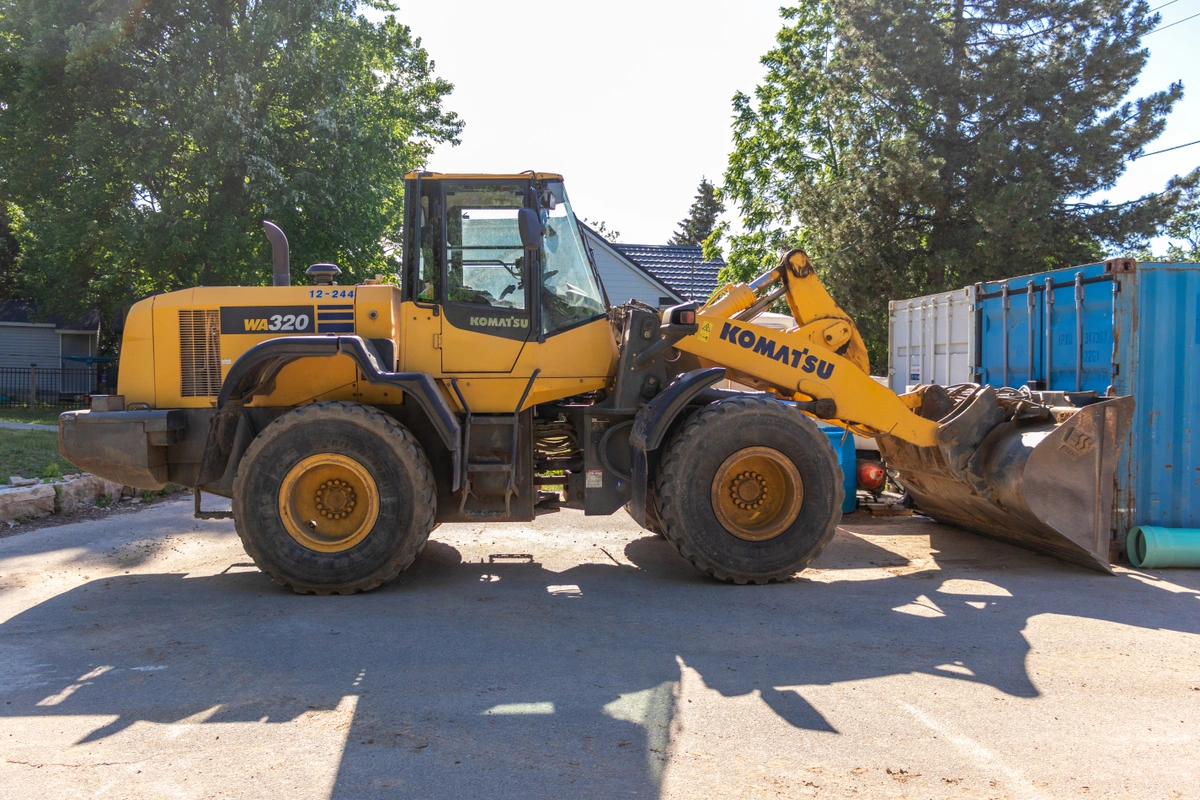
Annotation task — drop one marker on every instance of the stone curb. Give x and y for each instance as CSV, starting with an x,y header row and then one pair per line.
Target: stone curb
x,y
62,496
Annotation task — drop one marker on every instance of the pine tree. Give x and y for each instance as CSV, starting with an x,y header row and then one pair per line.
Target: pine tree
x,y
915,146
701,218
1184,229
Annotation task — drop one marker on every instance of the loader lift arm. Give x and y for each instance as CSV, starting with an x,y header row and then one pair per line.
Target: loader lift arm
x,y
1028,468
822,358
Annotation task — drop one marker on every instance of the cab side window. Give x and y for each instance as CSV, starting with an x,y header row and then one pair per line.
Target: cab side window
x,y
429,244
483,243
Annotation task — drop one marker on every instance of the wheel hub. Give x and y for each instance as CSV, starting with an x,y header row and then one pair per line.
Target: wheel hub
x,y
335,499
749,490
757,493
328,502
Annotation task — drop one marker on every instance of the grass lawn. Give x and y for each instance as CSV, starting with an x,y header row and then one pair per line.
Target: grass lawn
x,y
28,453
43,416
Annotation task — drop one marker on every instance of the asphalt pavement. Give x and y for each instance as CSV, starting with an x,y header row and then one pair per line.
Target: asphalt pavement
x,y
143,656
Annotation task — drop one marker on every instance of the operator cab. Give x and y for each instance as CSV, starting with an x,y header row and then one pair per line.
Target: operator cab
x,y
469,257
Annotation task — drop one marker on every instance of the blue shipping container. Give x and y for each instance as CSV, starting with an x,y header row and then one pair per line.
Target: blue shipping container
x,y
843,445
1068,346
1135,328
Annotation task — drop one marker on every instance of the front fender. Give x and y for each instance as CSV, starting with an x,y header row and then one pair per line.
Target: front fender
x,y
651,424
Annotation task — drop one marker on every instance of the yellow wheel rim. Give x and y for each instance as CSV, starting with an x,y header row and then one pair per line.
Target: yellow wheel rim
x,y
757,493
328,502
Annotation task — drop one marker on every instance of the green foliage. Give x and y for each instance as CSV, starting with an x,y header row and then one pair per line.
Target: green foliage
x,y
915,146
30,454
142,144
702,216
39,415
603,229
52,472
9,250
1185,228
150,495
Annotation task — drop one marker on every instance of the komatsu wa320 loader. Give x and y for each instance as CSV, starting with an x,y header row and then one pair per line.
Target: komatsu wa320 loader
x,y
497,383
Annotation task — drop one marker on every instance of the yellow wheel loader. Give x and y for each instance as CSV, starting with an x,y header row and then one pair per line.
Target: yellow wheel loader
x,y
497,383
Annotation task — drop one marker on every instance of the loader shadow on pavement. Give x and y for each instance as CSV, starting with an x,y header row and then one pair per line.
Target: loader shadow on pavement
x,y
470,679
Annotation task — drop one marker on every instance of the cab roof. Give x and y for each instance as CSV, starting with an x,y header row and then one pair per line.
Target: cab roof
x,y
503,176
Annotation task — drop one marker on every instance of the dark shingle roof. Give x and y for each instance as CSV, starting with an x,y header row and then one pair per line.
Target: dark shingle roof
x,y
682,267
25,311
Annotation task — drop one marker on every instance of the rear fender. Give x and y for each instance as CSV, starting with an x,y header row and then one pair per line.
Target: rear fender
x,y
255,373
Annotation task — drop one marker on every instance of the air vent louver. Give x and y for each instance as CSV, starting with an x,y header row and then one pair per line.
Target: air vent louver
x,y
200,353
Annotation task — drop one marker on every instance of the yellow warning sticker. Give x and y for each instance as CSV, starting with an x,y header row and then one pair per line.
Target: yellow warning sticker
x,y
705,332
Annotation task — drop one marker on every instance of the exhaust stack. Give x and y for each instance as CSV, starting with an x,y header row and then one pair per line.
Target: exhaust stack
x,y
281,272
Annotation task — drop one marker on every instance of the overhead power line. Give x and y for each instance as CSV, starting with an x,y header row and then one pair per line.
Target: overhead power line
x,y
1173,24
1164,5
1168,149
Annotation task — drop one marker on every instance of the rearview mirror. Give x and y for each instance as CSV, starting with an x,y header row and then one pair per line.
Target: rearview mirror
x,y
530,227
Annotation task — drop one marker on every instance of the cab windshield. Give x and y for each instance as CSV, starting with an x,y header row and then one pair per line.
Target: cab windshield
x,y
570,292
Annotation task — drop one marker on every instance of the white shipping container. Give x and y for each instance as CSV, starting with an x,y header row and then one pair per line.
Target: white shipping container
x,y
931,339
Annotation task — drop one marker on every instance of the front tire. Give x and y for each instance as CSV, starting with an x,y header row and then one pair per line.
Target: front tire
x,y
750,490
334,498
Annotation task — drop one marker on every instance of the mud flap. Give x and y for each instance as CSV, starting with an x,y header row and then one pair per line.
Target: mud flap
x,y
1022,473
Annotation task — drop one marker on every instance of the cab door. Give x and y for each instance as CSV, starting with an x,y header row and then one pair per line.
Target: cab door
x,y
486,293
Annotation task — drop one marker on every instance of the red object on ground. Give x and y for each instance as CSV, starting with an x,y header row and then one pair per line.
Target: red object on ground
x,y
870,475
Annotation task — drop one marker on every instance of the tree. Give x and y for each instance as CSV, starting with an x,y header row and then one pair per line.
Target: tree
x,y
9,251
143,143
603,229
702,216
1184,227
914,146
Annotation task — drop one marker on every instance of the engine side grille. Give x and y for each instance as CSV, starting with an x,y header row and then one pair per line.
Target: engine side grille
x,y
200,352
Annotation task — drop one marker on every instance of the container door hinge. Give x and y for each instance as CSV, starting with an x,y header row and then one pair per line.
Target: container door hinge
x,y
437,341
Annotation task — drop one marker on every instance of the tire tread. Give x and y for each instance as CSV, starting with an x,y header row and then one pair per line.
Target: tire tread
x,y
694,435
371,419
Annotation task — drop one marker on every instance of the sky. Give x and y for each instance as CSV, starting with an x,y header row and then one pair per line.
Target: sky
x,y
631,101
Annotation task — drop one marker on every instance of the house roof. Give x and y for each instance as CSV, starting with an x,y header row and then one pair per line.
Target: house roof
x,y
595,237
682,267
25,312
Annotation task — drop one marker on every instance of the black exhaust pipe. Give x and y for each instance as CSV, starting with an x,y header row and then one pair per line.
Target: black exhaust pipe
x,y
281,271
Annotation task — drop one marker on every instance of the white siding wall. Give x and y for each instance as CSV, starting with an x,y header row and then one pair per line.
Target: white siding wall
x,y
22,345
623,282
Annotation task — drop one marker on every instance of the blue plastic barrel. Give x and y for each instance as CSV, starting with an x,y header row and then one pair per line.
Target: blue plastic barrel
x,y
847,460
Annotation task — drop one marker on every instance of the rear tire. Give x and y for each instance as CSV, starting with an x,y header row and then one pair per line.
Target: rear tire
x,y
749,490
334,498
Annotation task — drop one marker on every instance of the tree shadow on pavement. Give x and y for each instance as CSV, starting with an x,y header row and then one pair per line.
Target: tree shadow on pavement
x,y
487,679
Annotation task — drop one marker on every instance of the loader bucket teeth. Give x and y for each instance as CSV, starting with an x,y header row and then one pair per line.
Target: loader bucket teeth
x,y
1022,473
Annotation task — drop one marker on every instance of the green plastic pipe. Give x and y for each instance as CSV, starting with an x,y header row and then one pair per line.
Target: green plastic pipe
x,y
1151,547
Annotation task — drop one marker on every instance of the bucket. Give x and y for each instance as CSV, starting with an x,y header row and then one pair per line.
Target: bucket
x,y
1039,478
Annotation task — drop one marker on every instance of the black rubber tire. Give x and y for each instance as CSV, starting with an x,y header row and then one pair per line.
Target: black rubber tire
x,y
696,452
407,497
653,523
